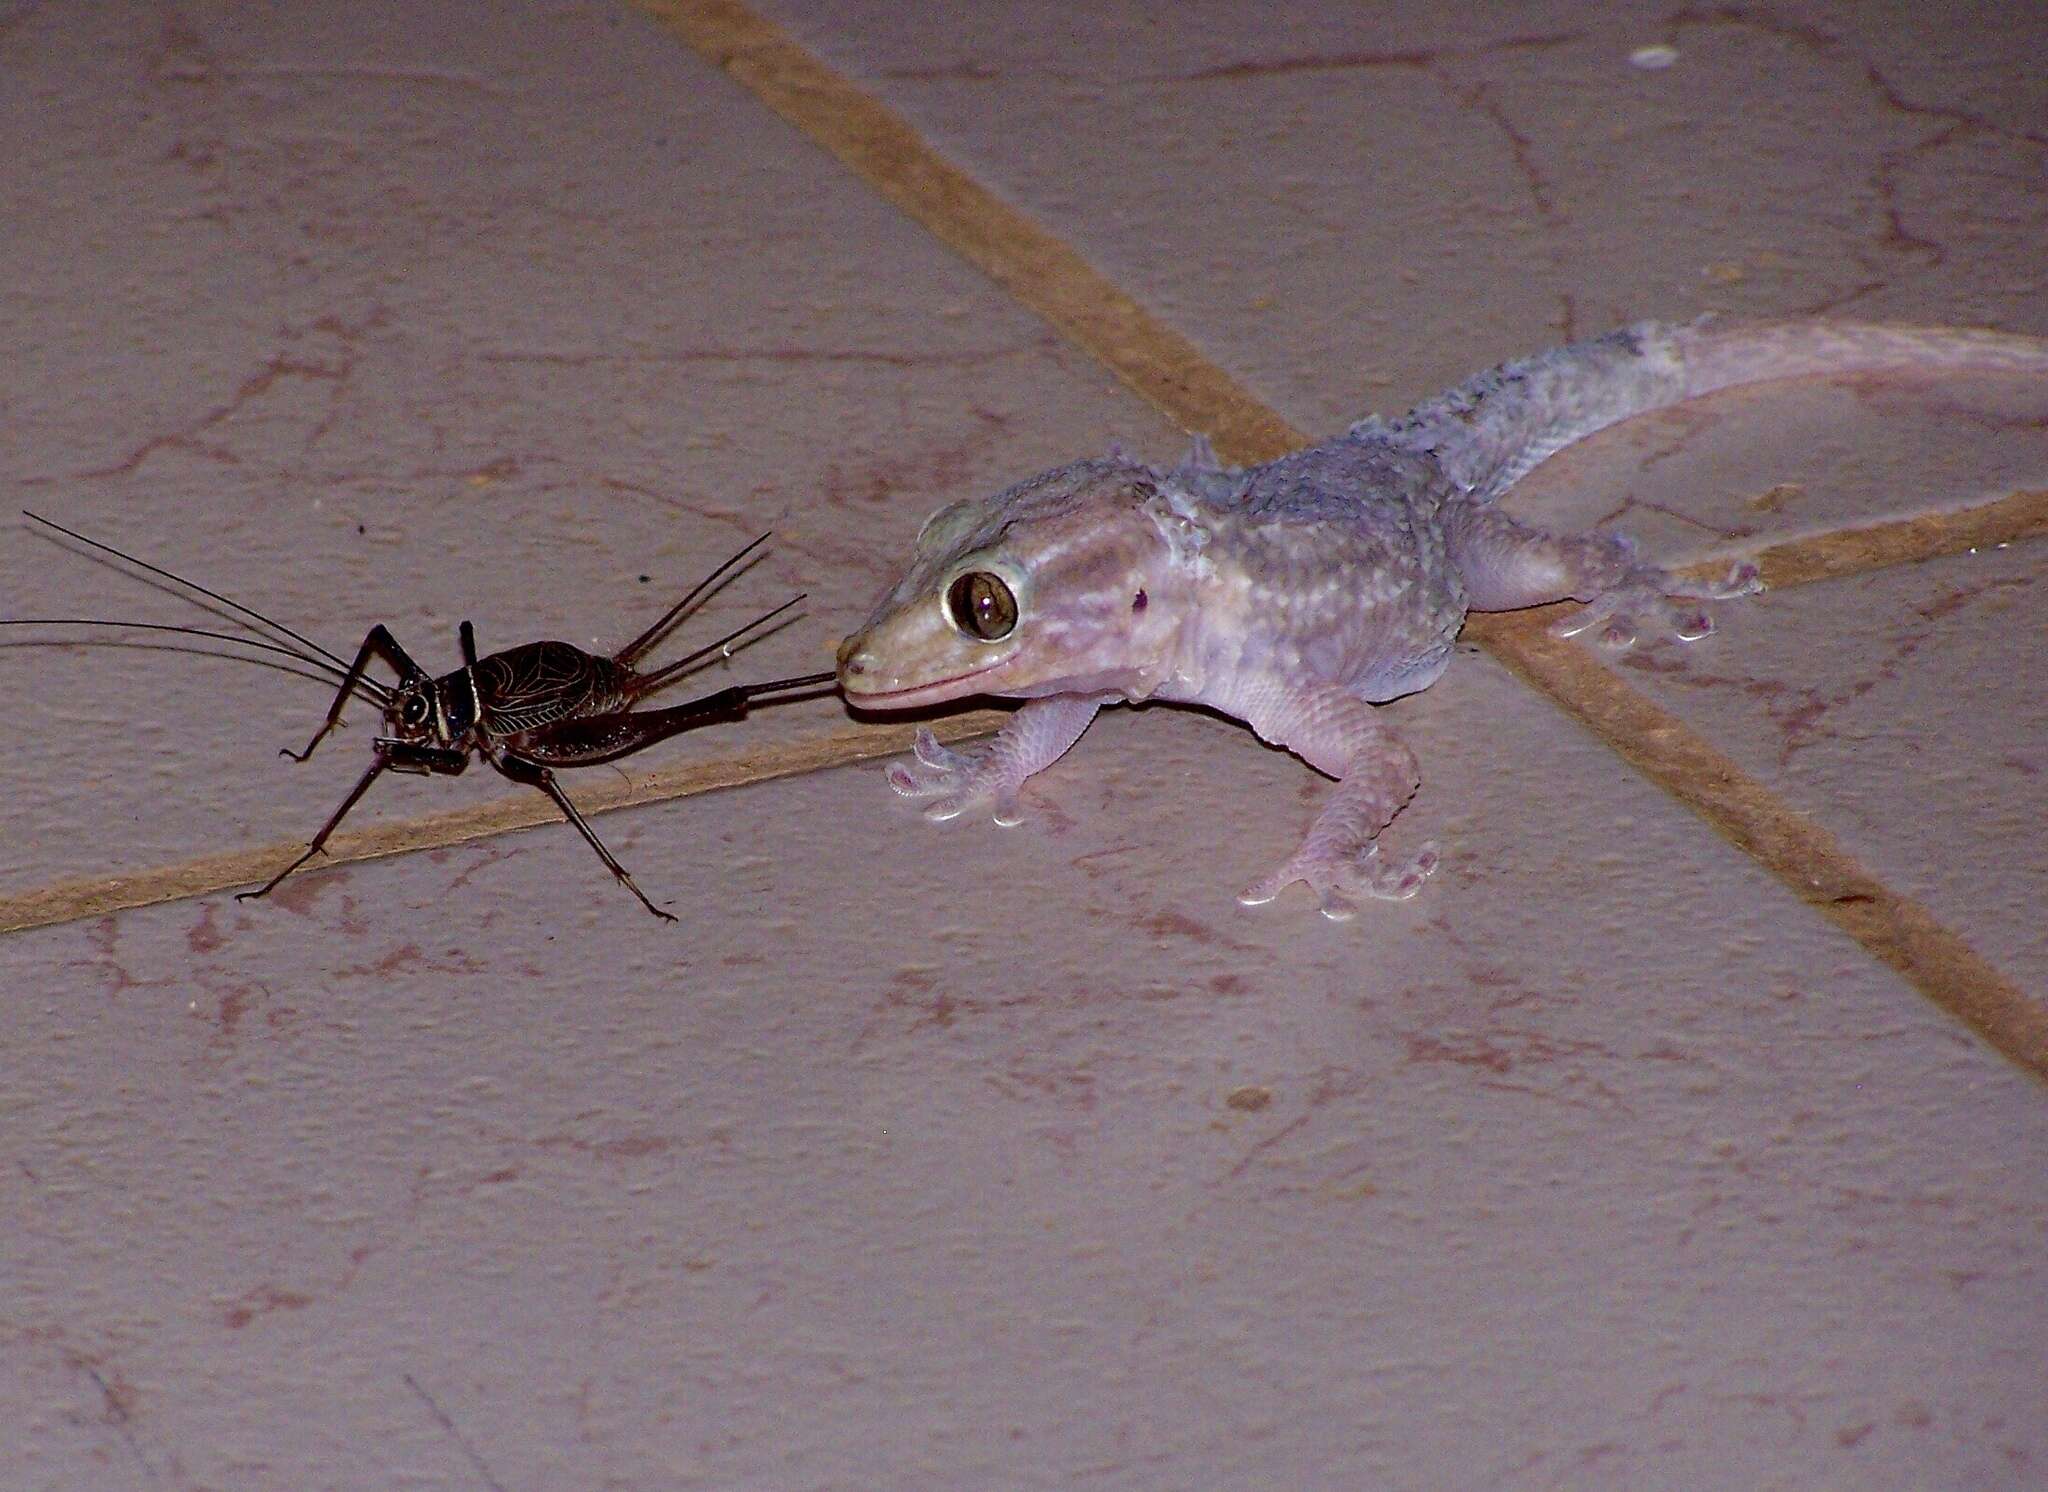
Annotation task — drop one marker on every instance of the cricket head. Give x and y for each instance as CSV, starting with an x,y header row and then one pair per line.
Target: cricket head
x,y
1076,580
431,712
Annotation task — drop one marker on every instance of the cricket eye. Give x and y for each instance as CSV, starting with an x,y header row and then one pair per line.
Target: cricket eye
x,y
982,606
414,714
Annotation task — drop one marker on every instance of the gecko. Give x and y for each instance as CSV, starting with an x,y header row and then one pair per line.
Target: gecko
x,y
1301,595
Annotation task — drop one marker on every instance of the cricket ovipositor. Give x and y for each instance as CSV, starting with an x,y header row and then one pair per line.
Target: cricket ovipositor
x,y
525,710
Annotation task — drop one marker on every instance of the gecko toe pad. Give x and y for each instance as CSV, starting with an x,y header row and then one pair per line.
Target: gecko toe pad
x,y
956,781
1341,881
1654,603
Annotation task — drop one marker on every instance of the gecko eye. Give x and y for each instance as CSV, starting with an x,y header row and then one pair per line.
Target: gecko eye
x,y
982,606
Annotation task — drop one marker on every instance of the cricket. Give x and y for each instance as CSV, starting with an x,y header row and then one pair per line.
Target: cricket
x,y
526,710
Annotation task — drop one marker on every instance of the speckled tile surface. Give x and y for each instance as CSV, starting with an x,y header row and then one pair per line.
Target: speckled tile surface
x,y
952,1156
934,1156
1355,209
1909,708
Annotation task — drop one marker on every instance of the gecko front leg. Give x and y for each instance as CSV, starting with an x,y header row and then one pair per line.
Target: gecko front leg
x,y
1336,732
1034,738
1505,565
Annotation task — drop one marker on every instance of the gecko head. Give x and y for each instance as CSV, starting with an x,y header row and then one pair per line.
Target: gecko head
x,y
1074,581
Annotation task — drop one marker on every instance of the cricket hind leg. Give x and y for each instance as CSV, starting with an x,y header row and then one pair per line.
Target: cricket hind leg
x,y
535,775
593,740
1505,565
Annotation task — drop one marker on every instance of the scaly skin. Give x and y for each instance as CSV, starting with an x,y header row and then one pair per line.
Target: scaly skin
x,y
1300,595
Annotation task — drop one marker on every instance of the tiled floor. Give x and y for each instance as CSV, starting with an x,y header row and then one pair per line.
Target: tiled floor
x,y
956,1157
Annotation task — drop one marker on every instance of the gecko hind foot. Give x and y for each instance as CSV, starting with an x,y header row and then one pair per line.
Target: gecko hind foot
x,y
958,779
1341,881
1650,600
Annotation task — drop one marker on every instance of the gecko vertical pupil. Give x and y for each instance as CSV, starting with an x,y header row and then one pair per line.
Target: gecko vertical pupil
x,y
982,606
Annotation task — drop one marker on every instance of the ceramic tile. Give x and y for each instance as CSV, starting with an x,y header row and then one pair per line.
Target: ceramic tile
x,y
1355,208
1905,710
941,1156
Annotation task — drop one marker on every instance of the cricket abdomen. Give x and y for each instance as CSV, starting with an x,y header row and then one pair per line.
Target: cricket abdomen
x,y
539,683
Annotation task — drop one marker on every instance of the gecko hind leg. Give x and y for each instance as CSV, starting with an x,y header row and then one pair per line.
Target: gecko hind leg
x,y
1506,565
1340,857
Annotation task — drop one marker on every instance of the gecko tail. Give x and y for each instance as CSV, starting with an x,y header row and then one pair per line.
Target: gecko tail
x,y
1721,354
1491,431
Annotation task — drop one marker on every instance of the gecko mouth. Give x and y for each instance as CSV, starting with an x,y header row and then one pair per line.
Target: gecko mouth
x,y
935,692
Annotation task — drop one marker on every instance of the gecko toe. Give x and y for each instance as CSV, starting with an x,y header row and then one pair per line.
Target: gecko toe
x,y
1340,882
1334,905
1743,579
904,781
1261,891
1397,881
1692,626
1648,603
1587,617
928,750
955,781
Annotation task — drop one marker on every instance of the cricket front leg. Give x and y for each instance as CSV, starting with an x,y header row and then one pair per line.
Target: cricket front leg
x,y
319,843
1506,565
377,643
1339,858
992,771
535,775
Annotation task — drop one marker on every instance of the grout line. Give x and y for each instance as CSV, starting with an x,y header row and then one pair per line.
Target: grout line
x,y
1040,270
1051,278
1894,541
1797,850
68,901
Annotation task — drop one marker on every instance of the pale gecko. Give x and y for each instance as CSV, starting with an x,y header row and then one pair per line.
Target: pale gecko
x,y
1300,595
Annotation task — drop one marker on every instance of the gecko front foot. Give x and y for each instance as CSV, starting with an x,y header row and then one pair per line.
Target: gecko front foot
x,y
1340,879
959,780
992,771
1646,599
